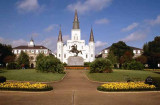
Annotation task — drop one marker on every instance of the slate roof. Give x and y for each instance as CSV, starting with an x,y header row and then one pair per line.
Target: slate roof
x,y
28,47
134,48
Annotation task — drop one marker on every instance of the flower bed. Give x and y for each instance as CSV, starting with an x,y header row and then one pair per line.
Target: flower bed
x,y
76,68
128,86
26,86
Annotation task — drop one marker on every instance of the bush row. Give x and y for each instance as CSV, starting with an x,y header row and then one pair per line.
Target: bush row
x,y
133,65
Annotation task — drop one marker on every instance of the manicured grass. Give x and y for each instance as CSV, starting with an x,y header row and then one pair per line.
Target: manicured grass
x,y
30,75
121,75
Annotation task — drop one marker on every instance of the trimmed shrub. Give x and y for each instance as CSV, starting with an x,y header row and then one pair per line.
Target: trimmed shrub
x,y
133,65
101,65
49,64
87,63
2,79
13,65
64,64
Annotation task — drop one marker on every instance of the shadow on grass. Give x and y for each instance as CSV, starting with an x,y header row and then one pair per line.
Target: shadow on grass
x,y
2,71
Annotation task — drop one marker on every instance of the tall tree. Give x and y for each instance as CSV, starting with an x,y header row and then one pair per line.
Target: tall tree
x,y
152,52
112,58
5,50
120,48
23,59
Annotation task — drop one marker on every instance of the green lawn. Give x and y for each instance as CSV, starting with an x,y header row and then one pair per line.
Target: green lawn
x,y
30,75
121,75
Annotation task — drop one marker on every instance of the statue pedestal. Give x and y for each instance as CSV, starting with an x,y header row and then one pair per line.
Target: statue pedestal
x,y
75,61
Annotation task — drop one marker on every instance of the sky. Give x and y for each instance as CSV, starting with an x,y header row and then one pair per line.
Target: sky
x,y
133,21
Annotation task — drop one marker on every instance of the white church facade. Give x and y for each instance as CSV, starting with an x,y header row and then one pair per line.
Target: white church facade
x,y
65,51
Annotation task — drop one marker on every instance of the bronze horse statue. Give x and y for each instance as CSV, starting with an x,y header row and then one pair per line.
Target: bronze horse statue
x,y
74,50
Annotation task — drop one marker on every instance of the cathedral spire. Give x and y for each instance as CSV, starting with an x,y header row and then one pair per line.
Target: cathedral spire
x,y
91,36
76,22
60,35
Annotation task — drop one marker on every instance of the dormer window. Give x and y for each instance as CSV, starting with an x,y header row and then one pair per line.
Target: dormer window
x,y
106,51
134,51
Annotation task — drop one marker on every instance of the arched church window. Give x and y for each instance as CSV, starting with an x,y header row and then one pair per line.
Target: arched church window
x,y
91,55
64,55
86,56
59,55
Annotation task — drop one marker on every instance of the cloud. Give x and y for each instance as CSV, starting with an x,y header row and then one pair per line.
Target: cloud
x,y
102,21
24,6
51,27
89,5
99,45
51,42
135,36
154,21
14,43
34,34
130,27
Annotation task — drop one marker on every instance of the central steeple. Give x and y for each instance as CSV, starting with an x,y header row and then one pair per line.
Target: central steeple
x,y
76,22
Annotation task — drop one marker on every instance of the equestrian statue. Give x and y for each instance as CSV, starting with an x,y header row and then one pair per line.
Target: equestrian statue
x,y
74,50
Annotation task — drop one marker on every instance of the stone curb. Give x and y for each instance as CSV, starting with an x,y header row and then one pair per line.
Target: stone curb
x,y
129,92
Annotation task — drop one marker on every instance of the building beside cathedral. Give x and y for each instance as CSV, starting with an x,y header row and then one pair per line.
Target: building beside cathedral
x,y
65,51
136,51
32,50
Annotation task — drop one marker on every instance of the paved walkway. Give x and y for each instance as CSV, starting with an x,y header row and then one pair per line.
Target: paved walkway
x,y
75,89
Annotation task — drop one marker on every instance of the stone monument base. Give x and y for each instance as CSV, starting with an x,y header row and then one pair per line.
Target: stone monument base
x,y
75,61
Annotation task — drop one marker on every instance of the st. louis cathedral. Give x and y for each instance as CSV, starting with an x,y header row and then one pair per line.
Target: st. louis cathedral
x,y
75,48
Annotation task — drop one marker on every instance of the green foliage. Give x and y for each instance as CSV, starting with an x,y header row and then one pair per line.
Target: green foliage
x,y
101,65
23,59
87,64
156,82
112,58
133,65
142,59
49,64
119,49
64,64
2,79
5,50
40,56
152,52
9,59
13,65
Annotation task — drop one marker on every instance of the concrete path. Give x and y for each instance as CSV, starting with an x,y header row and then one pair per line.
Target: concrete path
x,y
76,89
